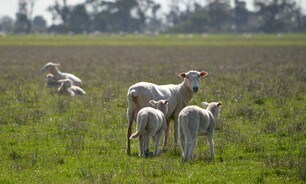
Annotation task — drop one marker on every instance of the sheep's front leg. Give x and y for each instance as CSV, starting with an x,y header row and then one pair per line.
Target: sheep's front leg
x,y
129,130
175,133
167,134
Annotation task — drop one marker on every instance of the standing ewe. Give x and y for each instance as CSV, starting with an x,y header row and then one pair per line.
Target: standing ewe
x,y
53,68
68,87
194,121
151,122
178,97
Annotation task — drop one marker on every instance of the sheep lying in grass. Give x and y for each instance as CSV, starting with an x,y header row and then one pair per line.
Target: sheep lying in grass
x,y
178,97
51,81
194,121
58,75
68,87
151,122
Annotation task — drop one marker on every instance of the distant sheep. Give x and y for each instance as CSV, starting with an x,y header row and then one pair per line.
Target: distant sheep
x,y
58,75
178,97
68,87
51,81
151,122
194,121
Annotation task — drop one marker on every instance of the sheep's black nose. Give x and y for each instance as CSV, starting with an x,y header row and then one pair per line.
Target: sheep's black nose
x,y
195,89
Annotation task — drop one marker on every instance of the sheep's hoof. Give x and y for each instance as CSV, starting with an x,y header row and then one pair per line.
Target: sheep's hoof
x,y
147,153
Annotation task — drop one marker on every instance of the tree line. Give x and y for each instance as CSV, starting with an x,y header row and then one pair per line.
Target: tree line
x,y
139,16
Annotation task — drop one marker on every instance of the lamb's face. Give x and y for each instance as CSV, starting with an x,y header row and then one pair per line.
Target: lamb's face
x,y
161,105
213,107
192,79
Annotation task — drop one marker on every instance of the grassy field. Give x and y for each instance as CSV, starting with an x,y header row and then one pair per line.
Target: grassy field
x,y
161,40
49,138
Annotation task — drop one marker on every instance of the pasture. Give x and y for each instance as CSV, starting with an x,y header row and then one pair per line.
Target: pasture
x,y
51,138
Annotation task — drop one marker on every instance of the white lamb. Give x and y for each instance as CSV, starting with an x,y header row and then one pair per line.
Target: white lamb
x,y
178,97
58,75
151,122
51,81
194,121
68,87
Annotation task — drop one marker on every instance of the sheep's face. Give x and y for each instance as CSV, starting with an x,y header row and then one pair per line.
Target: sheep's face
x,y
49,66
213,107
192,79
161,105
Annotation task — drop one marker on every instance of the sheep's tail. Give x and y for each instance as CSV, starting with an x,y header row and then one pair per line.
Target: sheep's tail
x,y
142,122
132,95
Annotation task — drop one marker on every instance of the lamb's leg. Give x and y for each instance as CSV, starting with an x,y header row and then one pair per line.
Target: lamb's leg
x,y
167,134
147,145
187,150
211,146
193,146
141,145
182,140
156,140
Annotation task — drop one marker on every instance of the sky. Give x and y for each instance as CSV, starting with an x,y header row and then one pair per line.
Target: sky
x,y
10,7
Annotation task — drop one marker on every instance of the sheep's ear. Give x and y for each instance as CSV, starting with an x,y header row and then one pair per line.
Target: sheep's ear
x,y
203,74
166,102
205,104
152,102
219,103
182,75
57,64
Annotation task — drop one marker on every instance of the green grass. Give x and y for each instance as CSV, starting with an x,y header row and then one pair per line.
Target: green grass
x,y
49,138
161,40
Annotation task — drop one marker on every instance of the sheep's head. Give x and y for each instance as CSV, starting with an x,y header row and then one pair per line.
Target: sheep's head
x,y
50,66
161,105
213,107
192,79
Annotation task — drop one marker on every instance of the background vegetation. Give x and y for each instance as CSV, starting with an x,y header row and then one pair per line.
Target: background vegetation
x,y
152,17
48,138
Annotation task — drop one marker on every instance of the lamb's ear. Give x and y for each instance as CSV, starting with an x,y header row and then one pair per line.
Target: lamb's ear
x,y
205,104
203,74
166,102
152,102
219,103
182,75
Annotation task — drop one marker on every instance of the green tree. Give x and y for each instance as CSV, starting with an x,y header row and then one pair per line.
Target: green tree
x,y
79,19
24,16
277,15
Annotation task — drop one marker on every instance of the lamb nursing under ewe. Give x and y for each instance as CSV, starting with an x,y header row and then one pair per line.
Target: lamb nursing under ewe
x,y
151,122
194,121
51,81
178,97
58,75
68,87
